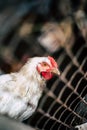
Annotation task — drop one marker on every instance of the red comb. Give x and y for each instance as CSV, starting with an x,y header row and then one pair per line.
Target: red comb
x,y
53,62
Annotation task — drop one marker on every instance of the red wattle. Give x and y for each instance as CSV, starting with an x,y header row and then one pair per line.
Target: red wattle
x,y
47,75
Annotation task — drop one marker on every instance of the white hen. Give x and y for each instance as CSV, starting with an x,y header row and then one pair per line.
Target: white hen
x,y
21,91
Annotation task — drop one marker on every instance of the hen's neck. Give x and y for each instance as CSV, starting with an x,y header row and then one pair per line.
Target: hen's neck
x,y
30,72
34,82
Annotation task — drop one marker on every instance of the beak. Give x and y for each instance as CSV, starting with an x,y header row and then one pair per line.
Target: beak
x,y
55,71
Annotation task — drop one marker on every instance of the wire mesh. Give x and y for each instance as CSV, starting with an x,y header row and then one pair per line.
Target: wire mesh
x,y
58,108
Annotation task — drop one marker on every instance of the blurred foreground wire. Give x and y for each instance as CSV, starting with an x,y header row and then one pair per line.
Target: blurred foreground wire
x,y
9,124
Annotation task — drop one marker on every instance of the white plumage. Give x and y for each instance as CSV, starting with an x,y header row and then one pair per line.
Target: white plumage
x,y
21,91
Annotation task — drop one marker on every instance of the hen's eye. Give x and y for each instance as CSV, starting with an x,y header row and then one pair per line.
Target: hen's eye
x,y
44,63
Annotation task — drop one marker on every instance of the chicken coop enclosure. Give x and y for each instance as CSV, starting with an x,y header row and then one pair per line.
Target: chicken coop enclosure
x,y
31,28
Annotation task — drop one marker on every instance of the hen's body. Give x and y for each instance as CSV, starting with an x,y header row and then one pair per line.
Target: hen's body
x,y
20,92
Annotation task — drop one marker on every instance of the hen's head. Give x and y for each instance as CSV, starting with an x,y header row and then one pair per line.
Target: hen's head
x,y
46,67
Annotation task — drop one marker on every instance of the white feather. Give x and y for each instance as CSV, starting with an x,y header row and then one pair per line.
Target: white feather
x,y
5,78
